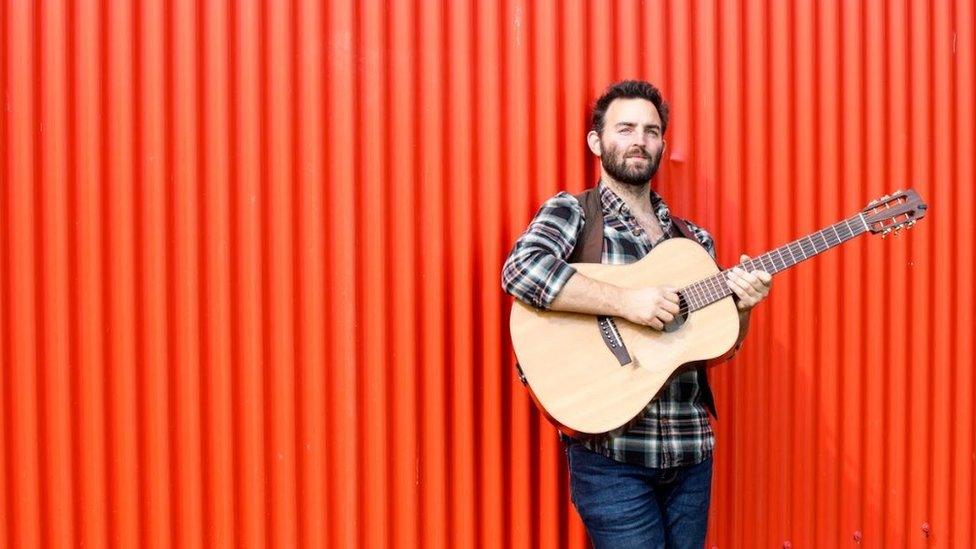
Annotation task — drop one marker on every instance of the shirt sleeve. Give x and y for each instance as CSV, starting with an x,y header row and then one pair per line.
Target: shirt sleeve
x,y
536,269
704,238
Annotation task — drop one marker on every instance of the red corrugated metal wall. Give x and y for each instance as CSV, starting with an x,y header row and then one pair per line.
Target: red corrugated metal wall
x,y
250,255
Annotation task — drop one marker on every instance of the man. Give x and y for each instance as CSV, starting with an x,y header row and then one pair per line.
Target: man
x,y
650,486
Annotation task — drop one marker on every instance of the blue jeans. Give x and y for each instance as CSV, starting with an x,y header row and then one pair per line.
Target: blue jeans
x,y
624,505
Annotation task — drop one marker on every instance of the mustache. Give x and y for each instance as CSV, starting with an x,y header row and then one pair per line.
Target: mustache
x,y
638,154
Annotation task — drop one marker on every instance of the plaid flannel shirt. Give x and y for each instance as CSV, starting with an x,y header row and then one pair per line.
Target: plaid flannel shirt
x,y
674,429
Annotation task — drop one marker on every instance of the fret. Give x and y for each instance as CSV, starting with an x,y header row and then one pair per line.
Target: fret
x,y
688,296
717,282
703,291
709,291
706,293
782,258
720,285
823,236
782,263
712,289
826,245
850,233
864,221
809,248
828,232
710,284
799,248
812,245
696,292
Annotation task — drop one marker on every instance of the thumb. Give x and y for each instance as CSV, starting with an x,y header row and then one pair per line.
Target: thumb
x,y
743,258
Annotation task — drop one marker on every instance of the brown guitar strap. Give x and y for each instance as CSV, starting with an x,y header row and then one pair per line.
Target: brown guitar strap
x,y
589,249
589,245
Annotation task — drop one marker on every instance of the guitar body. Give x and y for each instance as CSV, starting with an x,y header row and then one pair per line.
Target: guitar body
x,y
573,374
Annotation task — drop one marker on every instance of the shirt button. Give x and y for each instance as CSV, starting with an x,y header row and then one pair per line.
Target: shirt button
x,y
637,231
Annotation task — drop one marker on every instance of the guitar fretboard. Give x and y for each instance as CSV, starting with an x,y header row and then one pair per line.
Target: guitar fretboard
x,y
709,290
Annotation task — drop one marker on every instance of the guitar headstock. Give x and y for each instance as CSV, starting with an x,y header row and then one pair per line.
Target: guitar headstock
x,y
894,212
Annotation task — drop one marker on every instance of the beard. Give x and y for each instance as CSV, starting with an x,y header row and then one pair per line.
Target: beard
x,y
627,170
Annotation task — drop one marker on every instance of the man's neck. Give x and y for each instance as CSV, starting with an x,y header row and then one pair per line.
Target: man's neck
x,y
637,197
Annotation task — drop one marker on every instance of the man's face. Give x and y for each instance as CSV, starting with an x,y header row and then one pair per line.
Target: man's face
x,y
631,144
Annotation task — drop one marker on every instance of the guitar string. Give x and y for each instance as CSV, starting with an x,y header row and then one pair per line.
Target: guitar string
x,y
709,289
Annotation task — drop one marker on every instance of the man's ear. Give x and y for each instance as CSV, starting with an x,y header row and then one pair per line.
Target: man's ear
x,y
593,141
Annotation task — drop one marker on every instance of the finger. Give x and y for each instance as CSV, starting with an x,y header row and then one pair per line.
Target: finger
x,y
670,307
734,281
739,291
740,283
745,301
656,324
735,286
760,279
665,316
671,296
751,280
757,284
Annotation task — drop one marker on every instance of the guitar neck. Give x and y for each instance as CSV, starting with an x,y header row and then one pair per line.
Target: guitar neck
x,y
709,290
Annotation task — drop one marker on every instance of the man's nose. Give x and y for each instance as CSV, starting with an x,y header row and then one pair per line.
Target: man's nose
x,y
641,144
640,140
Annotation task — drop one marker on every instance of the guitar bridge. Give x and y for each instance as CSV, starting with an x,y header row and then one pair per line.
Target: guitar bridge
x,y
612,339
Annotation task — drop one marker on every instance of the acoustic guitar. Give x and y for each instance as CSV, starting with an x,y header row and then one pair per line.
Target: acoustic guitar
x,y
593,375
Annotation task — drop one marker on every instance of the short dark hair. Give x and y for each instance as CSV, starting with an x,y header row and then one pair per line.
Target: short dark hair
x,y
629,89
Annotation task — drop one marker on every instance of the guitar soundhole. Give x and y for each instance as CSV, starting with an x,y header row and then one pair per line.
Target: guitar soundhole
x,y
680,318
